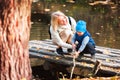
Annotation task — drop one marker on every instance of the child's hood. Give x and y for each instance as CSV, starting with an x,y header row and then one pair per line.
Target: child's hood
x,y
81,26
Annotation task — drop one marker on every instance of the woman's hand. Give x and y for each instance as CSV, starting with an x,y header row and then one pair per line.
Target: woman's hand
x,y
74,46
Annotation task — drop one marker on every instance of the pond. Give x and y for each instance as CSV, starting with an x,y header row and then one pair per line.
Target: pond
x,y
103,21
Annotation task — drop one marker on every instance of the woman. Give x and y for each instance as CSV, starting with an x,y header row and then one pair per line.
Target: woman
x,y
62,29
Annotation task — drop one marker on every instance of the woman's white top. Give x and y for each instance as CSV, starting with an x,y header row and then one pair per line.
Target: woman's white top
x,y
55,34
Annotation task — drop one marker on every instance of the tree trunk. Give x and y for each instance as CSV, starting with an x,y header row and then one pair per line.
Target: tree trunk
x,y
14,36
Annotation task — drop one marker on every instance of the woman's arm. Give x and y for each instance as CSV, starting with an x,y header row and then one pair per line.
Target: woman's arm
x,y
56,38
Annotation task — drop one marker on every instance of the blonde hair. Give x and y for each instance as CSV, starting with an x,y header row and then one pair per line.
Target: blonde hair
x,y
54,19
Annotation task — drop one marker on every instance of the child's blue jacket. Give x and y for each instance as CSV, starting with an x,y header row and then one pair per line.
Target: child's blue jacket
x,y
83,40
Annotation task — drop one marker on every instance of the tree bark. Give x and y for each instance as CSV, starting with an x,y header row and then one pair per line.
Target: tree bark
x,y
14,36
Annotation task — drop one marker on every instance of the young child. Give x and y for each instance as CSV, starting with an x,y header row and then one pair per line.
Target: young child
x,y
85,42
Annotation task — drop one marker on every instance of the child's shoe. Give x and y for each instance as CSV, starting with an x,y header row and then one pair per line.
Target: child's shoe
x,y
80,55
93,57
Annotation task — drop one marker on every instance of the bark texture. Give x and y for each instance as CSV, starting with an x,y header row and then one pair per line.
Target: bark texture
x,y
14,36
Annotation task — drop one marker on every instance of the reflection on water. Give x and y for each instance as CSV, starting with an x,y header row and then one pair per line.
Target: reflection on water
x,y
102,22
39,31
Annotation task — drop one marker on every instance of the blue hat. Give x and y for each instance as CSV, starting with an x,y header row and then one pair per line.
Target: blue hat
x,y
81,26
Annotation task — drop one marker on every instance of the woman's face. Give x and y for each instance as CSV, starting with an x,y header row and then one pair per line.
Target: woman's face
x,y
62,20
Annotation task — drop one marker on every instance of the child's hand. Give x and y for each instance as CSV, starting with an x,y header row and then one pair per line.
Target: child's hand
x,y
76,54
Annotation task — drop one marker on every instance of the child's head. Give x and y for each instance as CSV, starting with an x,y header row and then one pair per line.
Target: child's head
x,y
81,27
